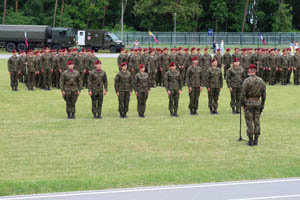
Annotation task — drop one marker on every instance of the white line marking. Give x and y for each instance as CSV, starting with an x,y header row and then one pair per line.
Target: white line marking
x,y
272,197
149,189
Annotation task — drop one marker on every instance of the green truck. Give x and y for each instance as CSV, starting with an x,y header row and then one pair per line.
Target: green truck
x,y
22,37
99,39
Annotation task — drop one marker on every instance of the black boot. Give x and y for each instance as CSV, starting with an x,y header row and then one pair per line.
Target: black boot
x,y
13,88
124,115
175,114
238,111
255,140
233,110
95,116
216,111
250,142
140,114
73,116
143,115
121,115
171,114
191,111
69,115
99,116
16,88
195,112
211,111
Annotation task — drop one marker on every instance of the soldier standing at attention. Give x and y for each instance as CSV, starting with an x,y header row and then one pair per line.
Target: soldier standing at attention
x,y
296,68
214,85
22,67
153,68
180,63
173,84
14,71
284,66
226,59
134,63
205,64
96,82
121,58
71,85
47,70
272,65
236,54
55,79
235,78
142,86
165,62
31,70
253,99
123,88
194,83
218,57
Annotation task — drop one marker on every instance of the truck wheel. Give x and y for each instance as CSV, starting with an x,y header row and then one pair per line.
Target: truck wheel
x,y
21,47
113,49
56,46
10,46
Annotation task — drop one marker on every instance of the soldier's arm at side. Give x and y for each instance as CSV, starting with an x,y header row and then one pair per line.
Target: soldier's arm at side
x,y
117,83
105,81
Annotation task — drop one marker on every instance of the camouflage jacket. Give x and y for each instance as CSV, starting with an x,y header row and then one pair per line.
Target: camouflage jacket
x,y
297,60
97,81
218,57
31,64
142,82
70,81
205,61
194,77
153,64
253,92
179,59
227,58
214,78
235,77
165,61
272,61
79,64
46,61
13,65
173,80
123,82
134,62
285,62
21,63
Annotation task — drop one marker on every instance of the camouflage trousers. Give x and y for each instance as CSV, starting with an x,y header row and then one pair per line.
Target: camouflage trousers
x,y
173,100
252,115
22,77
296,75
85,79
182,75
213,97
71,98
14,79
97,101
141,101
30,79
260,72
226,67
124,98
271,77
288,78
55,78
194,98
235,98
284,76
204,76
153,78
47,77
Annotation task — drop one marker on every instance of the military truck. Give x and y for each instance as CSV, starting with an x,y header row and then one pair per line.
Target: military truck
x,y
99,39
38,36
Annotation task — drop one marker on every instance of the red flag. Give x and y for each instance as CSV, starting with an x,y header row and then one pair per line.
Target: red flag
x,y
262,38
153,36
26,41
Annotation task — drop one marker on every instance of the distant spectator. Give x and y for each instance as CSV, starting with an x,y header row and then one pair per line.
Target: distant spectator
x,y
222,47
136,44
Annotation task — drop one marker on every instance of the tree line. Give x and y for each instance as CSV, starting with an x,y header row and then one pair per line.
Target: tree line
x,y
144,15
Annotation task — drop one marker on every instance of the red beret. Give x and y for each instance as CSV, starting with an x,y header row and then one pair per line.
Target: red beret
x,y
219,50
251,66
236,60
195,58
141,66
297,49
70,62
166,49
74,49
60,50
186,49
93,51
140,49
14,51
97,62
205,49
193,49
22,51
213,60
145,49
122,49
198,49
36,53
123,64
227,49
172,64
180,48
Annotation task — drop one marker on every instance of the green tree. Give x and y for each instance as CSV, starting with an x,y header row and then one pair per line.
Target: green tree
x,y
218,9
283,19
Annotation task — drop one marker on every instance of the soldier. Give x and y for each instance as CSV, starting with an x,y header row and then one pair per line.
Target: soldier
x,y
79,63
14,71
47,69
218,57
173,84
22,67
235,78
236,54
253,99
245,61
180,58
71,85
123,88
278,61
296,68
291,66
153,68
165,62
205,64
284,66
158,62
134,63
54,67
199,55
187,64
272,65
38,77
96,82
31,70
226,59
173,56
121,58
195,84
142,86
214,85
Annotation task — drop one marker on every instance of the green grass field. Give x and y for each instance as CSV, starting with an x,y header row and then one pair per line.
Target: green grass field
x,y
41,151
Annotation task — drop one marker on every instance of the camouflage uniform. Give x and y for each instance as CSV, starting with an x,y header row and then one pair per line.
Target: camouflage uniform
x,y
253,100
142,85
227,59
235,78
71,84
218,57
13,69
173,83
153,69
31,70
194,81
290,69
133,65
284,66
121,58
22,67
180,64
272,65
296,68
123,86
205,65
215,83
165,62
79,64
56,74
96,82
46,66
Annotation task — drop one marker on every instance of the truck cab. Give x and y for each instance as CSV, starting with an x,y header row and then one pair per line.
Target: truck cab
x,y
62,37
98,39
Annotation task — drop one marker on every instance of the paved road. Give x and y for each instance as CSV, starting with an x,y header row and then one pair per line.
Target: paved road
x,y
283,189
102,55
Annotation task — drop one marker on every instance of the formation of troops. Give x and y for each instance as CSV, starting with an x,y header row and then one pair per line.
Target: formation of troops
x,y
140,70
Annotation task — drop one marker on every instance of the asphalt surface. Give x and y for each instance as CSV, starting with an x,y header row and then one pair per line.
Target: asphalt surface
x,y
278,189
102,55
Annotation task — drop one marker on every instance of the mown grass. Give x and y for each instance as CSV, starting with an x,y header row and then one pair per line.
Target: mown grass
x,y
41,151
